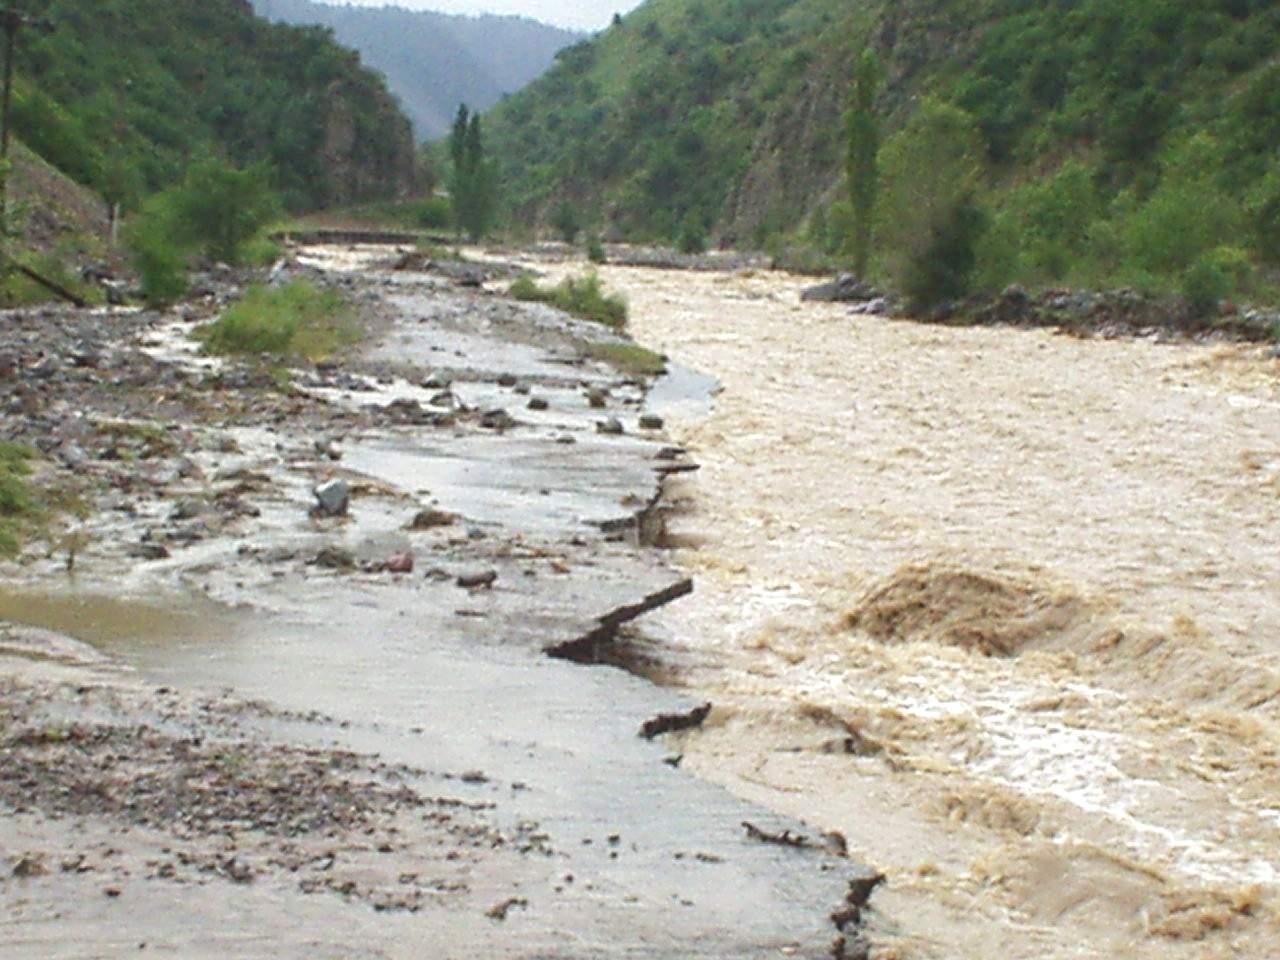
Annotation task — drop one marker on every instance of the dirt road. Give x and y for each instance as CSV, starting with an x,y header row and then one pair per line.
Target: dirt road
x,y
1001,606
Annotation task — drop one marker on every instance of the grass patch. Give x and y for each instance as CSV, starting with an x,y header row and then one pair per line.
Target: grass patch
x,y
19,507
583,297
297,321
628,358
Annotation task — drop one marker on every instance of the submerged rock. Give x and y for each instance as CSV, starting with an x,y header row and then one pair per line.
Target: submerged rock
x,y
844,288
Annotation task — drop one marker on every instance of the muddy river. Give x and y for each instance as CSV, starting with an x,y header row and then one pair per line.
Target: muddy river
x,y
1002,607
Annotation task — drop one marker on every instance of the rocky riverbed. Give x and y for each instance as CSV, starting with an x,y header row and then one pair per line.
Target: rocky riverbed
x,y
277,682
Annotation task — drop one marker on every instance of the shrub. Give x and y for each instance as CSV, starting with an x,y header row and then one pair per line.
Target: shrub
x,y
595,250
432,213
582,297
1205,285
158,257
297,320
17,504
930,220
566,221
218,209
693,237
944,269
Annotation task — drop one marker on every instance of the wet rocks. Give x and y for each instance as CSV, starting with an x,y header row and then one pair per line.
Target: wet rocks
x,y
334,558
651,421
333,497
430,518
538,403
845,288
477,579
399,563
611,427
597,398
498,420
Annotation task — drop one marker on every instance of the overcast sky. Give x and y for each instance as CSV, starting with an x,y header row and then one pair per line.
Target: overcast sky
x,y
579,14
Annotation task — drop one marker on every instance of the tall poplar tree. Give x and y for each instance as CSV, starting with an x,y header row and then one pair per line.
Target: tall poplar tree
x,y
861,163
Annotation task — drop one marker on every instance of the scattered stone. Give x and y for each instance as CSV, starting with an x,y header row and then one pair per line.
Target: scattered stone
x,y
500,910
444,398
334,558
612,426
566,439
328,449
477,579
436,381
333,497
498,420
507,380
597,398
538,403
149,550
399,563
430,518
651,421
30,865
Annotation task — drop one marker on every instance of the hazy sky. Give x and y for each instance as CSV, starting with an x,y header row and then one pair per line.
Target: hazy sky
x,y
579,14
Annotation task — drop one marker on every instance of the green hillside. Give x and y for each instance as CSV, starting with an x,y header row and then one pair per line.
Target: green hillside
x,y
435,61
1115,139
122,94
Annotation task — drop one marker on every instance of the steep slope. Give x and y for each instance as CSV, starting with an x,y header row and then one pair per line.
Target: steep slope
x,y
434,61
122,93
729,113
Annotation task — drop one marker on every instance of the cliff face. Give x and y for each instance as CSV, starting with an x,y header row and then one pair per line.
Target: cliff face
x,y
367,152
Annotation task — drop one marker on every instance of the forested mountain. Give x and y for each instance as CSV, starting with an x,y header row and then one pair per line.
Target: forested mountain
x,y
123,94
435,61
1106,134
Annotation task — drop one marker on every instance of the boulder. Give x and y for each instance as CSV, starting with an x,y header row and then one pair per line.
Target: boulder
x,y
844,288
333,497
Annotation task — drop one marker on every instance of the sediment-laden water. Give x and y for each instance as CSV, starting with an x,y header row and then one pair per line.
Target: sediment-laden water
x,y
1001,606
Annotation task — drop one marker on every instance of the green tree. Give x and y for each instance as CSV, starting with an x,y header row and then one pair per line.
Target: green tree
x,y
473,187
861,166
930,221
218,208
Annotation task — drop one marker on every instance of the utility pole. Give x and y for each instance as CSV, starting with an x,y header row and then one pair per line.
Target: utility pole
x,y
12,20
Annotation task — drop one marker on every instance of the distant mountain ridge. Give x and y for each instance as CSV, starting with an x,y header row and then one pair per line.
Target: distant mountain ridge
x,y
434,61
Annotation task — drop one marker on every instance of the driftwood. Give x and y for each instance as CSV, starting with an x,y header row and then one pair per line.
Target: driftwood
x,y
673,722
582,649
48,284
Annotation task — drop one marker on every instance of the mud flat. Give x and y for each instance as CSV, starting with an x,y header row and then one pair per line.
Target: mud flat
x,y
230,724
1002,607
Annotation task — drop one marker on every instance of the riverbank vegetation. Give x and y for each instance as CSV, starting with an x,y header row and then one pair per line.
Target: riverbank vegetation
x,y
582,297
296,321
1107,144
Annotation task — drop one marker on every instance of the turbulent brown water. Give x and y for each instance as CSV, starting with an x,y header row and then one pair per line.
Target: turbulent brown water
x,y
1001,606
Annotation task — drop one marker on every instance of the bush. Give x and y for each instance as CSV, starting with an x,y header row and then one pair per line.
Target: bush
x,y
432,213
218,209
160,260
944,269
595,250
1205,285
693,237
566,221
17,504
930,220
298,320
583,298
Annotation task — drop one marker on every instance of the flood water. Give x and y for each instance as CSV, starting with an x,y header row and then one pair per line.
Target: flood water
x,y
1002,606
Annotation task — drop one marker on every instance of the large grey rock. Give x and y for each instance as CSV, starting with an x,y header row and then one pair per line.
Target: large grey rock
x,y
333,497
844,288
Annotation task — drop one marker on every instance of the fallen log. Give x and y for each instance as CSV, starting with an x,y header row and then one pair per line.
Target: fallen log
x,y
583,649
675,722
